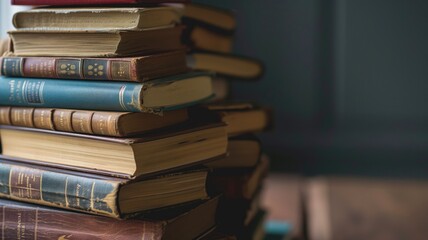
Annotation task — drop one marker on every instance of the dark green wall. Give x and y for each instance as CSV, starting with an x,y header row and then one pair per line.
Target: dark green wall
x,y
347,79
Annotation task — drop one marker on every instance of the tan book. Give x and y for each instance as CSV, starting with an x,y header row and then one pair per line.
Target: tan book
x,y
241,117
106,43
116,124
152,153
96,18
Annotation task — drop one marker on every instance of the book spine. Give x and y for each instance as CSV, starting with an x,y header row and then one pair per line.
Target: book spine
x,y
70,68
59,189
25,221
49,93
88,122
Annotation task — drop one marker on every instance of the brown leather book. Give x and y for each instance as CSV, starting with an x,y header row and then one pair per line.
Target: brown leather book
x,y
106,43
134,69
150,153
116,124
27,221
112,196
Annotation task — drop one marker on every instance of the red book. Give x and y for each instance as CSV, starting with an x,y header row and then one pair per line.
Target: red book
x,y
89,2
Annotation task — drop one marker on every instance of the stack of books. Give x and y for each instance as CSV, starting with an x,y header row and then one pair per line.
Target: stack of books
x,y
106,132
238,177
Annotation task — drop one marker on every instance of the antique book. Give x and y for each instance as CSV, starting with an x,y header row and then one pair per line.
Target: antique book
x,y
88,2
167,93
150,153
96,18
366,208
238,183
212,18
94,43
242,152
200,38
29,221
241,117
115,124
226,65
97,194
132,69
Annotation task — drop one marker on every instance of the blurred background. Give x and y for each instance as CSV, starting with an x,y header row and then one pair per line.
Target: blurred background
x,y
347,80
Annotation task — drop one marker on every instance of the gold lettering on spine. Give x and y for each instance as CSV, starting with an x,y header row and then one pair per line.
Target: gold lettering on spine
x,y
92,196
65,192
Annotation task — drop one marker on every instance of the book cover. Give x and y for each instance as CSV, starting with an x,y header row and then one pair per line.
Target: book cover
x,y
107,96
28,221
115,124
134,69
72,190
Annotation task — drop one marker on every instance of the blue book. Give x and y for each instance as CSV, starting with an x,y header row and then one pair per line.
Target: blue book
x,y
153,96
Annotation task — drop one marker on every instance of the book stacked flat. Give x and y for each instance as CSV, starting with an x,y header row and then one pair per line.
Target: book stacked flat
x,y
105,133
239,177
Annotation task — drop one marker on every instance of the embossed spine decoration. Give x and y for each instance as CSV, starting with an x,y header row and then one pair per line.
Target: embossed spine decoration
x,y
72,94
24,221
89,122
70,68
59,189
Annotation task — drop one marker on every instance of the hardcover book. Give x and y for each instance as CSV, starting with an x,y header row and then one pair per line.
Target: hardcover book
x,y
200,38
133,69
96,18
28,221
101,195
94,43
227,65
154,96
242,152
116,124
212,18
151,153
89,2
242,117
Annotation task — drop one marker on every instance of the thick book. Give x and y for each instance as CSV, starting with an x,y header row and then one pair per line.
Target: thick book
x,y
242,152
220,20
131,69
94,43
150,153
226,65
200,38
28,221
154,96
97,18
115,124
89,2
242,117
101,195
